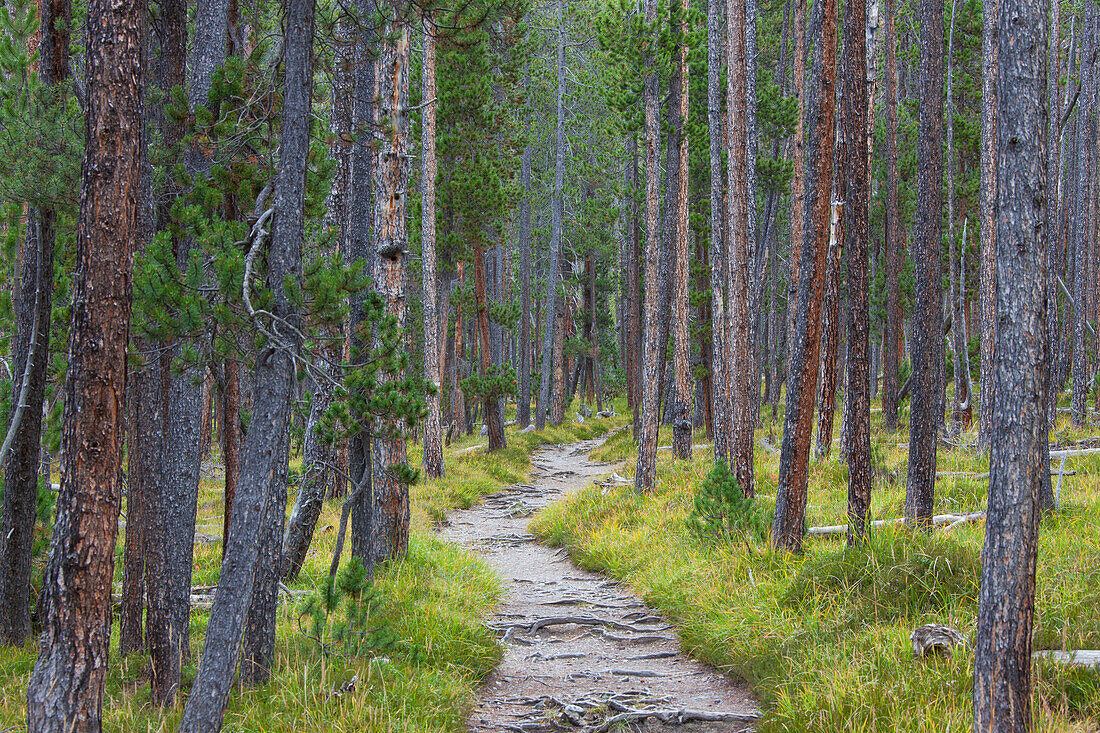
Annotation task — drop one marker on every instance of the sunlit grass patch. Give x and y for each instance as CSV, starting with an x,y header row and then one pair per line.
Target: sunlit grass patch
x,y
823,639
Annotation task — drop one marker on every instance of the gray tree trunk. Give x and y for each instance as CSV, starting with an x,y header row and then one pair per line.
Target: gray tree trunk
x,y
552,279
1006,602
927,347
272,382
433,423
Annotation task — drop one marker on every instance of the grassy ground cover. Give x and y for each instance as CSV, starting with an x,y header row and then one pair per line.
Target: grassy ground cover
x,y
432,602
823,639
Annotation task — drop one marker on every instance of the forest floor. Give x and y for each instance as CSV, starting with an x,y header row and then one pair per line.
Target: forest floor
x,y
431,605
580,651
822,639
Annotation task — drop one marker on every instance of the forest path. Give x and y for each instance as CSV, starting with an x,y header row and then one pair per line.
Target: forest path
x,y
581,652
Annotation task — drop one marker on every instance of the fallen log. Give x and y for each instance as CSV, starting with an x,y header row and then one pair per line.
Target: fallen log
x,y
948,520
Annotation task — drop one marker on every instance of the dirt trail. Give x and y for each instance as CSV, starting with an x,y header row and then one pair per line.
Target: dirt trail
x,y
581,652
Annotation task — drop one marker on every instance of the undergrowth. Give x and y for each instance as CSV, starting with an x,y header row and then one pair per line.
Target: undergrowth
x,y
405,653
823,639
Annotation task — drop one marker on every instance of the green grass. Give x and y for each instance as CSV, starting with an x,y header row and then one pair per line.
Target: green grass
x,y
434,600
823,639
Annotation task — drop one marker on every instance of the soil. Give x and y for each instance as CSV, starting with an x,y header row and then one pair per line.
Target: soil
x,y
581,652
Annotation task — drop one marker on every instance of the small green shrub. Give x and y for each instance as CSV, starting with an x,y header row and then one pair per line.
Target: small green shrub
x,y
343,615
722,512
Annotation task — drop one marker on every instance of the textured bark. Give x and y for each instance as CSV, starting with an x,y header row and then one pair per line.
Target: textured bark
x,y
893,336
272,382
457,398
798,177
960,352
553,304
741,239
681,330
1082,229
857,199
361,249
557,383
634,283
494,424
720,385
927,348
645,475
1006,602
790,506
433,424
987,200
830,312
314,482
390,527
163,631
258,646
65,693
1053,210
523,399
30,354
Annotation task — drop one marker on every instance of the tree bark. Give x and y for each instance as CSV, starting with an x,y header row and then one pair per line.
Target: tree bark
x,y
1006,602
790,508
741,239
646,473
857,199
798,178
720,385
987,266
433,424
65,692
893,239
556,205
1082,229
272,382
830,311
523,399
681,330
927,348
494,425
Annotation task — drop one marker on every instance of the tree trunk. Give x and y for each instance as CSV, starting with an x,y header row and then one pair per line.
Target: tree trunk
x,y
720,386
523,399
65,692
458,420
798,177
741,239
857,199
1006,602
556,205
790,508
830,308
494,425
433,424
272,382
390,529
361,188
1082,220
927,330
314,481
987,199
681,278
30,355
894,253
646,472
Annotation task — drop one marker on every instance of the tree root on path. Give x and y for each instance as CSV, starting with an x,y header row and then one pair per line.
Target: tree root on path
x,y
542,623
599,713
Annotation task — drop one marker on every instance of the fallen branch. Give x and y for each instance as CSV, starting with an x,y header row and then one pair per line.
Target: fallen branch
x,y
950,520
676,717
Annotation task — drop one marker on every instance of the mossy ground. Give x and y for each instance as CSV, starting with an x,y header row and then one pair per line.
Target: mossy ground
x,y
823,639
434,600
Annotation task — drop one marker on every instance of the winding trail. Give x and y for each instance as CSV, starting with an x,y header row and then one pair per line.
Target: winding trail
x,y
581,652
